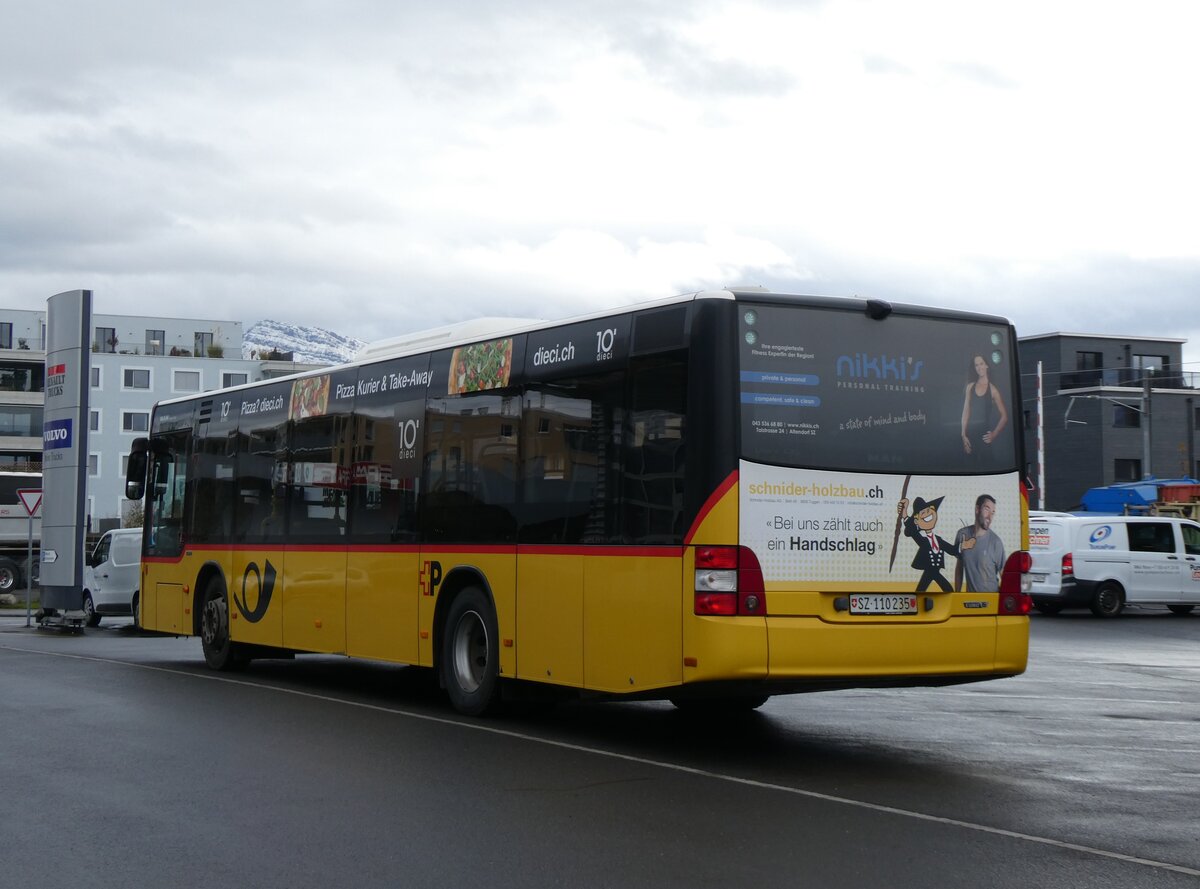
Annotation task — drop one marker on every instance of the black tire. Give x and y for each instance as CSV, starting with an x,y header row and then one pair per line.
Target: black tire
x,y
220,651
10,575
1109,600
470,653
89,610
135,610
1181,610
720,706
1048,607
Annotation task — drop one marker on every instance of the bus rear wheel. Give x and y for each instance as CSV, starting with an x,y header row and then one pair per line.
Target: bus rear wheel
x,y
220,651
470,653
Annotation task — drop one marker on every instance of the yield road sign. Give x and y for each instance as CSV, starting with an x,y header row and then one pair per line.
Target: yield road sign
x,y
31,498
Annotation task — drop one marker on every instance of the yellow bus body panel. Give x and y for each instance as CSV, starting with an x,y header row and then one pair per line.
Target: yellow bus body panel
x,y
632,632
314,600
381,605
550,619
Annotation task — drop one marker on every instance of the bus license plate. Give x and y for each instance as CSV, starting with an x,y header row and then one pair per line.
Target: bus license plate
x,y
883,604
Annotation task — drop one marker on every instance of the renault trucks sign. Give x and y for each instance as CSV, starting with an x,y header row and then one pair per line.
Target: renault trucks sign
x,y
64,448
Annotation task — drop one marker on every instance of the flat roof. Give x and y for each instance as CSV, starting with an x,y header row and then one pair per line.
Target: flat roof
x,y
1104,336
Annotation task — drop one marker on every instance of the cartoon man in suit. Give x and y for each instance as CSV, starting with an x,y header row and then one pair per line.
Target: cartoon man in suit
x,y
931,549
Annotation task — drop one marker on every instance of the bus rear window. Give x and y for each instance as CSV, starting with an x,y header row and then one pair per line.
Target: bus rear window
x,y
834,389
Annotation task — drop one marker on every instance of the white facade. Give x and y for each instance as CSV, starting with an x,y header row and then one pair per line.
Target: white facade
x,y
136,361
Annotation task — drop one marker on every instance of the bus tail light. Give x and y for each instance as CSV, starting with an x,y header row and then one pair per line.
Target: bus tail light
x,y
729,581
1015,584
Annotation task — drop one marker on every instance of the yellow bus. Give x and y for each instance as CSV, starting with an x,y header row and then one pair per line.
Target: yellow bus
x,y
710,499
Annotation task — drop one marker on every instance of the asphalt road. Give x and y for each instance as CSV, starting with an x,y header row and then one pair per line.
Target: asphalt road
x,y
123,761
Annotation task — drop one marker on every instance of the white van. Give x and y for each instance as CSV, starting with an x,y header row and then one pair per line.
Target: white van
x,y
1105,562
112,574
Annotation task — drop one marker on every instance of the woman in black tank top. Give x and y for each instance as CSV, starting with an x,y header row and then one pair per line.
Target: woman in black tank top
x,y
983,414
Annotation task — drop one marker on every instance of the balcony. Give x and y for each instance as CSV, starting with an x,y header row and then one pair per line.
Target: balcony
x,y
1128,378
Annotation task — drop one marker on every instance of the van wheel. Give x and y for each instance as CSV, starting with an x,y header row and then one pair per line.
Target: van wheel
x,y
220,651
1109,600
89,610
1048,607
470,655
1181,610
135,609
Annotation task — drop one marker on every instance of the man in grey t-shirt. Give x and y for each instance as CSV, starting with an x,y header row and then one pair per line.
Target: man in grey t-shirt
x,y
982,563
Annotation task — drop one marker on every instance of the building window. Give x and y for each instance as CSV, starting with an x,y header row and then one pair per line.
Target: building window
x,y
20,377
21,421
106,340
93,421
154,341
186,381
95,374
93,465
204,342
1127,470
1089,360
135,378
135,421
1152,363
232,379
1126,417
5,335
124,466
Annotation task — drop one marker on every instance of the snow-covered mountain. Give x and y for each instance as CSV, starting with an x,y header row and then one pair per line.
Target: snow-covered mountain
x,y
309,345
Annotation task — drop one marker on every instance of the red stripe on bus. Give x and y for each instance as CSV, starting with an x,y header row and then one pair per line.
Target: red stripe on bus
x,y
668,551
641,552
710,504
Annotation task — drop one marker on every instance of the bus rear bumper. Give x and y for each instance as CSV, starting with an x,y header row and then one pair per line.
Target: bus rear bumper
x,y
975,647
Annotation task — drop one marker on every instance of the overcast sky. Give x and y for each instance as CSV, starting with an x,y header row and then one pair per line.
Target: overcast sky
x,y
379,167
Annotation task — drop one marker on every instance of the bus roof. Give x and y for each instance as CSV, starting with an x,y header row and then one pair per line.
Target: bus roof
x,y
475,330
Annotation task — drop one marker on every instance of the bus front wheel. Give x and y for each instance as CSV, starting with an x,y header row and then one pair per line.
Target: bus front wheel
x,y
470,654
220,651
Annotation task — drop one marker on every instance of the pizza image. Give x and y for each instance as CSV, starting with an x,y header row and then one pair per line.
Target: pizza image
x,y
310,397
480,366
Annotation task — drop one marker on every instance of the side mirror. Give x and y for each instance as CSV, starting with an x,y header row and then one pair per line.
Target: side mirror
x,y
135,473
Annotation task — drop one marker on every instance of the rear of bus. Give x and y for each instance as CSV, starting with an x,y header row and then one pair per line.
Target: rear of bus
x,y
865,452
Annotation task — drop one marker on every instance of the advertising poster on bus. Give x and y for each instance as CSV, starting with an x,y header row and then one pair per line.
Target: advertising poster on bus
x,y
877,452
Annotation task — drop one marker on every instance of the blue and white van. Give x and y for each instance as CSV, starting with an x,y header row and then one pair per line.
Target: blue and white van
x,y
1106,562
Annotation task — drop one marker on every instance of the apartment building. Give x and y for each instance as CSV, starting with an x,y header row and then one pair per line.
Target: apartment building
x,y
1115,409
136,361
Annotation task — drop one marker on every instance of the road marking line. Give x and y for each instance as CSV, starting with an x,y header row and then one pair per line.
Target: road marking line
x,y
641,760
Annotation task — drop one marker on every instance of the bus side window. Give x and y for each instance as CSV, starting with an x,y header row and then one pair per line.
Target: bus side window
x,y
470,488
654,450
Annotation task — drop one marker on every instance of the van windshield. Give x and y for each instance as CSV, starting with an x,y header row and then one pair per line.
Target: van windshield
x,y
833,389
